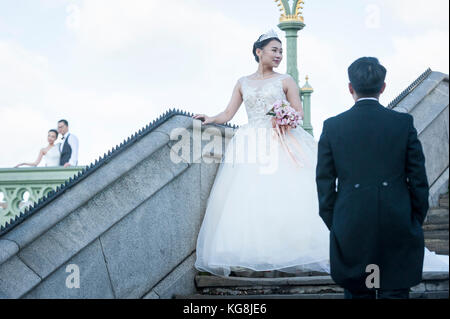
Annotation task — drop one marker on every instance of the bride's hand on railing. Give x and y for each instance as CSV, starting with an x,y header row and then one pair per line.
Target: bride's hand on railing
x,y
205,119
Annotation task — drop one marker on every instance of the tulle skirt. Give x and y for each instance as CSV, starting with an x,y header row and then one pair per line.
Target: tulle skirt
x,y
262,212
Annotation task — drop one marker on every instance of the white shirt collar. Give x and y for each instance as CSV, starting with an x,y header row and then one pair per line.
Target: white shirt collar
x,y
65,136
367,98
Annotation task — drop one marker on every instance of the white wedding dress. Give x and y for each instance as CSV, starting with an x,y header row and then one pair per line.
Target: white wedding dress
x,y
51,158
262,211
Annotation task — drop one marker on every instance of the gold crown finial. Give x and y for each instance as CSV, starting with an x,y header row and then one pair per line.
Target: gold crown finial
x,y
307,87
288,13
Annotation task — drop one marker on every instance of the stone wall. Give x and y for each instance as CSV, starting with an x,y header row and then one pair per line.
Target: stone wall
x,y
428,104
131,227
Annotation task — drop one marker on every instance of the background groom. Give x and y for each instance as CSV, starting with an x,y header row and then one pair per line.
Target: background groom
x,y
69,145
375,215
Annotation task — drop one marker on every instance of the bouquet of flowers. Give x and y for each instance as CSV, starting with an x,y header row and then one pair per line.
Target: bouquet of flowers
x,y
285,114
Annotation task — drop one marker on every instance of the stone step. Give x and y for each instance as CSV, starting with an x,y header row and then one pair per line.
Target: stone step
x,y
203,281
413,295
255,286
297,287
219,281
433,227
436,234
443,201
439,246
437,216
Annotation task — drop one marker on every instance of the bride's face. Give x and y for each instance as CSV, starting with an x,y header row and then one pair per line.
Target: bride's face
x,y
51,137
272,54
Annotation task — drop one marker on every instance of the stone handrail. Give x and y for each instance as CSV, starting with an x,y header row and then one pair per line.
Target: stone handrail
x,y
21,187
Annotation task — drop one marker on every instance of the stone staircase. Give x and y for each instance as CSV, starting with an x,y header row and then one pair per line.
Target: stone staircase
x,y
313,285
304,286
436,229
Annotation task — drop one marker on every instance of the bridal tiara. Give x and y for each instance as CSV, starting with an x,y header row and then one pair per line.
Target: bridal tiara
x,y
269,34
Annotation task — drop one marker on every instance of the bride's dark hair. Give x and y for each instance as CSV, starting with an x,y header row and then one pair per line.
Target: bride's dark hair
x,y
261,45
54,131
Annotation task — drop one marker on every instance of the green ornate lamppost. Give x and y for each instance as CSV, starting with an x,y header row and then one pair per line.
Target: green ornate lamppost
x,y
291,21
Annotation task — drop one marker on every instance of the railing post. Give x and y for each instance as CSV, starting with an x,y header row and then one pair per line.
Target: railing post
x,y
37,181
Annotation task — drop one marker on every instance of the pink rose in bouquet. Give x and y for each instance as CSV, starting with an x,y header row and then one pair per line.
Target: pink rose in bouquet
x,y
285,114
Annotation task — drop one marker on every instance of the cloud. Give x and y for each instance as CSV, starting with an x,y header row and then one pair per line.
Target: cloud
x,y
24,132
106,102
23,74
327,76
115,25
120,64
419,13
412,56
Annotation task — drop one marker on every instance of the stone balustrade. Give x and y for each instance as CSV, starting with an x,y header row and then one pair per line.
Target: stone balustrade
x,y
21,187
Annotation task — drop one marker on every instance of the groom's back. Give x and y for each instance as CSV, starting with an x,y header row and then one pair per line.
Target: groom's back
x,y
368,140
381,201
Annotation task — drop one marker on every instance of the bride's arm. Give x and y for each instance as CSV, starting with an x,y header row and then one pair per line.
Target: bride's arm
x,y
230,111
233,106
293,95
36,162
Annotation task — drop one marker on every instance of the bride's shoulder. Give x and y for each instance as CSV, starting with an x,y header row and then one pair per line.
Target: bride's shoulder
x,y
247,77
288,80
242,78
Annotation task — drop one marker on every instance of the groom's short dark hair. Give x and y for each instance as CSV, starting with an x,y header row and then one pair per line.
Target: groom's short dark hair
x,y
64,121
367,76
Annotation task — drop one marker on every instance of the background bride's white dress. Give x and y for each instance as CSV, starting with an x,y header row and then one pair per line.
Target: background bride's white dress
x,y
263,214
51,158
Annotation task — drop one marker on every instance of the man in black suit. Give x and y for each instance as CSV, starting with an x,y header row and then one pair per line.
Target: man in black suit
x,y
373,192
68,146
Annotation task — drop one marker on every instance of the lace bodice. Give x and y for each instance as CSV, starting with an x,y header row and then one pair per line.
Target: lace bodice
x,y
259,96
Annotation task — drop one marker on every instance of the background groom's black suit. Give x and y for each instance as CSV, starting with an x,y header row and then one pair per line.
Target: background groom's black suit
x,y
376,213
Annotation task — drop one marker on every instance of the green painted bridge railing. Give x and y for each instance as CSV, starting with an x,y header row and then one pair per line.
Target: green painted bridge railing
x,y
21,187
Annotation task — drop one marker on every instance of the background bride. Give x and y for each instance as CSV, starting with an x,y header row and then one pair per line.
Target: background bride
x,y
50,153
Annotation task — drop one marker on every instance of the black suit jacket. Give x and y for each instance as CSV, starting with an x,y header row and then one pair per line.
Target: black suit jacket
x,y
373,195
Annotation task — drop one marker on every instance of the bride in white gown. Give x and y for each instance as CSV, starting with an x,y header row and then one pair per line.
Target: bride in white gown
x,y
50,154
262,214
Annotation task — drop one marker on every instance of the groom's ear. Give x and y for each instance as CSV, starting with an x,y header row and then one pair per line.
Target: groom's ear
x,y
350,88
383,88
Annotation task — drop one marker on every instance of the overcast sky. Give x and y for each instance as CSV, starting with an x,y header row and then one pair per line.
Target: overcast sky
x,y
112,66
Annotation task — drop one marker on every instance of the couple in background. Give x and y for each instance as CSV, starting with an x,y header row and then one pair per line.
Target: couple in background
x,y
63,153
359,199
